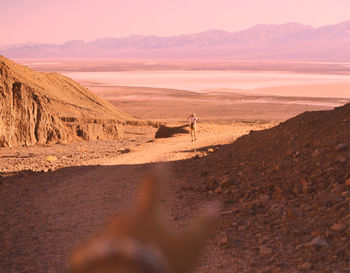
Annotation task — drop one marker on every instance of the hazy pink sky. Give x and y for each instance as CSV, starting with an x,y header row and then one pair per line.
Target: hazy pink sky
x,y
57,21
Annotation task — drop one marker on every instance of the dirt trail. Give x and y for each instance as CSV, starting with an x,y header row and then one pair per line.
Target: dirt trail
x,y
43,215
180,147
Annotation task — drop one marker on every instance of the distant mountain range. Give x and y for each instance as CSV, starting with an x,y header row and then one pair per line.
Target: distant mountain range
x,y
287,41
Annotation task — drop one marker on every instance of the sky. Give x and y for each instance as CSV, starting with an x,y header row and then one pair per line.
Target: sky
x,y
58,21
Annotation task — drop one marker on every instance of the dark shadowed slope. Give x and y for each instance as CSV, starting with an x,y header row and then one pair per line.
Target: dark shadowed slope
x,y
287,192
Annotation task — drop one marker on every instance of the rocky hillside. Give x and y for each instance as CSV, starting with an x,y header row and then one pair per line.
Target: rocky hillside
x,y
287,194
48,108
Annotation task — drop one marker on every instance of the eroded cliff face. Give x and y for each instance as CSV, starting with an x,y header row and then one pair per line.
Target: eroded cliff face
x,y
29,116
25,117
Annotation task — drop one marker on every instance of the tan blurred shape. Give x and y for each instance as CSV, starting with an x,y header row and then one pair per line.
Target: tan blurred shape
x,y
141,242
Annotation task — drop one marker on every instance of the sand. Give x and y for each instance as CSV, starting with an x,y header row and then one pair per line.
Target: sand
x,y
170,104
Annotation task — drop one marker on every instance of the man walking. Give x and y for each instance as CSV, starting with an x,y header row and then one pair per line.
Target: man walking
x,y
193,124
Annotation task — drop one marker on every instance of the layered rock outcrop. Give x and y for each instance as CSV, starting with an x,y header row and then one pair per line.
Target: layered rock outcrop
x,y
40,108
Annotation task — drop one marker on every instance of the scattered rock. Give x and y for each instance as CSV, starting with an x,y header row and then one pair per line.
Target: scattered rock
x,y
316,153
265,250
342,147
341,159
305,266
241,228
347,182
226,212
223,239
289,152
338,227
124,151
166,132
218,189
318,241
294,213
51,158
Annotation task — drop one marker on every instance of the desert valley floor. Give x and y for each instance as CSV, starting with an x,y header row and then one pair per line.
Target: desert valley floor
x,y
55,195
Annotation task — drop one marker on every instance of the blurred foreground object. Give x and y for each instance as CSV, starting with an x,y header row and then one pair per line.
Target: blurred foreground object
x,y
141,243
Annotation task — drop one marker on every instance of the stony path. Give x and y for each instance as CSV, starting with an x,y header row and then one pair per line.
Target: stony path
x,y
44,215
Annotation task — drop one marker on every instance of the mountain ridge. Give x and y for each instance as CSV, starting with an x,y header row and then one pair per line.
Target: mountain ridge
x,y
330,42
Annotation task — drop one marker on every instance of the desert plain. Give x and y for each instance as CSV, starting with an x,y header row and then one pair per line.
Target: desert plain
x,y
66,191
230,97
